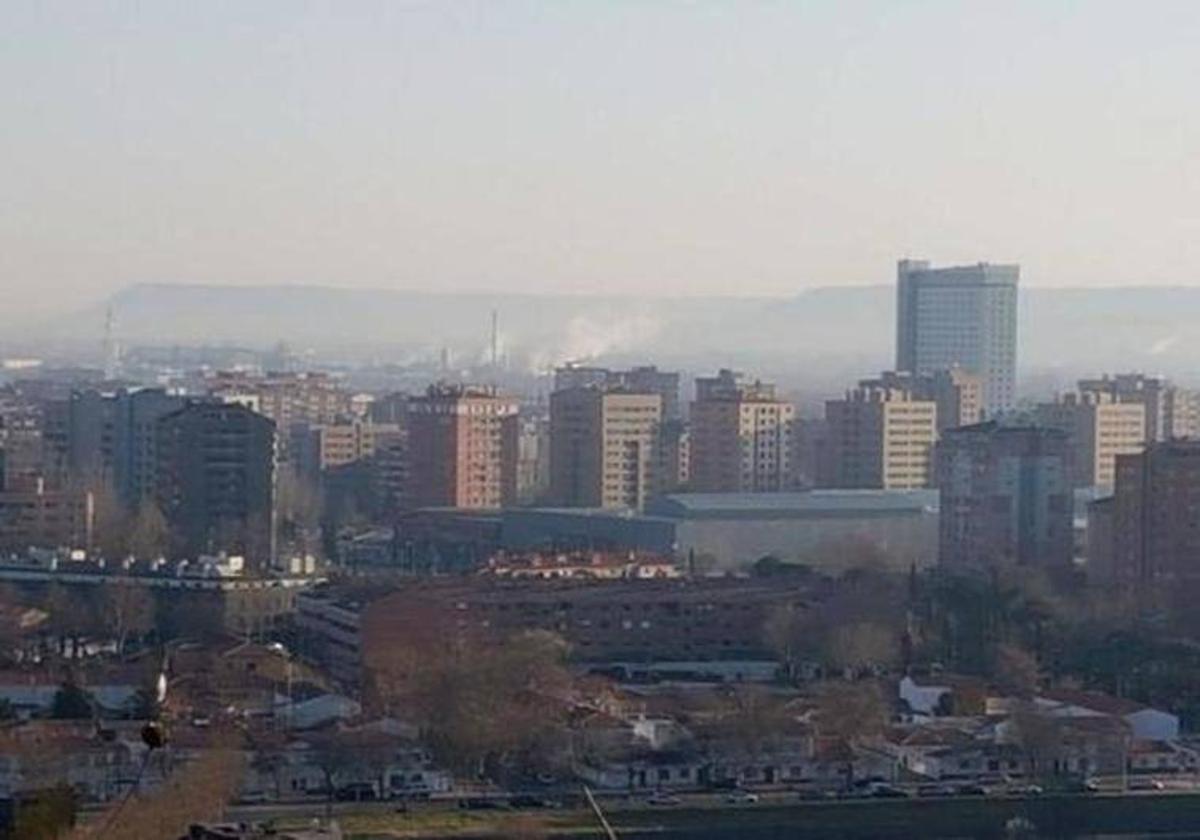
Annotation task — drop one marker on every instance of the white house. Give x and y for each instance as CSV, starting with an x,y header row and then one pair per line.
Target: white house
x,y
922,699
1145,723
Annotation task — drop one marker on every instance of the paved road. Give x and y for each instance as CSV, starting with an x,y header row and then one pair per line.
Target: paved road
x,y
315,807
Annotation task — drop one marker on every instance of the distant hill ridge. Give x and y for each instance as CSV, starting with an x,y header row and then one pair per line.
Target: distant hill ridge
x,y
1148,328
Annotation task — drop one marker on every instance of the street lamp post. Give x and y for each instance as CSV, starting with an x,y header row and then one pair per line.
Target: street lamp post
x,y
279,649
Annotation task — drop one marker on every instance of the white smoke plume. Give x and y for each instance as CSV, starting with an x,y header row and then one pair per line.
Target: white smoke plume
x,y
588,337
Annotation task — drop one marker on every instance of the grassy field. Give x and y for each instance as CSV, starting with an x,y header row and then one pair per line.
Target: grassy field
x,y
460,824
1053,816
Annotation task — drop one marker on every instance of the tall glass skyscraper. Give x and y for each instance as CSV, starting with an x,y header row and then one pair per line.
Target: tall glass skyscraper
x,y
963,316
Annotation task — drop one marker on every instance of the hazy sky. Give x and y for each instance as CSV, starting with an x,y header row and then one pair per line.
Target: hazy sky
x,y
586,146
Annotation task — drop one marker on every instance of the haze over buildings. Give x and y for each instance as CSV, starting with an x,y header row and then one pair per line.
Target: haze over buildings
x,y
356,386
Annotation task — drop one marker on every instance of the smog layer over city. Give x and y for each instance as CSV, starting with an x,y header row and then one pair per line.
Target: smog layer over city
x,y
514,419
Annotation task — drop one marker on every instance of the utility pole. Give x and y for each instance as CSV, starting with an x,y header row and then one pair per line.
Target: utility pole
x,y
112,352
495,340
595,806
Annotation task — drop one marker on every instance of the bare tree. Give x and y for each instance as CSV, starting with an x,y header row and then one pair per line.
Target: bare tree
x,y
271,762
790,633
127,610
197,791
111,522
754,717
483,707
1016,671
863,644
336,757
1038,734
851,711
11,631
149,534
300,506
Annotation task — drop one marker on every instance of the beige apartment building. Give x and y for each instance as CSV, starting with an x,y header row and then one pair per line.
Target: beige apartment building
x,y
880,437
741,436
462,447
335,445
604,447
957,392
1101,427
1172,412
287,398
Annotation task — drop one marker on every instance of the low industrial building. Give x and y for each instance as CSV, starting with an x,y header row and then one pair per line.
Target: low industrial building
x,y
828,529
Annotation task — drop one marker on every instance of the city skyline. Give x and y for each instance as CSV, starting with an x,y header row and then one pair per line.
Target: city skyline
x,y
768,419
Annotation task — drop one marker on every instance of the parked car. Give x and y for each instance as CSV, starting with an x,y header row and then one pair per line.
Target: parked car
x,y
253,797
529,800
1146,784
881,791
480,803
742,797
356,792
411,794
972,789
815,793
1026,790
868,782
931,791
661,799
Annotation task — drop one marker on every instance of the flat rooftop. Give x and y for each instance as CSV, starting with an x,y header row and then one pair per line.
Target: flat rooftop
x,y
808,504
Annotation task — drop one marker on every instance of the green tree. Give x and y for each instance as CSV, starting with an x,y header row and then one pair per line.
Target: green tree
x,y
195,616
71,703
71,617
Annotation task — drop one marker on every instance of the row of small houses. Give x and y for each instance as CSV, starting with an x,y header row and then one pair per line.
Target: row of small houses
x,y
1060,733
950,752
1066,734
103,765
